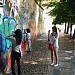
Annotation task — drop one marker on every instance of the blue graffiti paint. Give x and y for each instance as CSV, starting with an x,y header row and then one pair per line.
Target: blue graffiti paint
x,y
7,26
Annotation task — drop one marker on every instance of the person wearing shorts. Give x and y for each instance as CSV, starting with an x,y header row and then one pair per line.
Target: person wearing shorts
x,y
54,41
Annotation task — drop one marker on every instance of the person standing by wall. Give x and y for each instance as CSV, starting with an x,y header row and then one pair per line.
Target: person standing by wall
x,y
16,39
29,39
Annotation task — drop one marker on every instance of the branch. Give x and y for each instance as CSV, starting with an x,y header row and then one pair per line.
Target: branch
x,y
38,4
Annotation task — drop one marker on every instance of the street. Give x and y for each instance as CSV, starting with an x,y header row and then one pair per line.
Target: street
x,y
38,61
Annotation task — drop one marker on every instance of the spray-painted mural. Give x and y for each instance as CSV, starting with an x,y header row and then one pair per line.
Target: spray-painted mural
x,y
14,18
9,22
7,26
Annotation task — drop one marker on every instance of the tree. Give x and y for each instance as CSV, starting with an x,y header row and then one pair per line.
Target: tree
x,y
38,2
62,12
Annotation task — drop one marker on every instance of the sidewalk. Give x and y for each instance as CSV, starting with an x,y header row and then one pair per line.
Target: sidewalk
x,y
38,61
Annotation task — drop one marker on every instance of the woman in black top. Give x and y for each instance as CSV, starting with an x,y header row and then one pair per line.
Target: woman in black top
x,y
16,53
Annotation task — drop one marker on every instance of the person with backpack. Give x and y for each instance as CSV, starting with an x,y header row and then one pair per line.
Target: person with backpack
x,y
15,38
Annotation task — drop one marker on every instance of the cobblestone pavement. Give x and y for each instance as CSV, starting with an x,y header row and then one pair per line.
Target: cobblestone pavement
x,y
37,62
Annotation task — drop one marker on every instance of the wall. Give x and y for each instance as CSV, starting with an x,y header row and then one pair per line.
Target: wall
x,y
35,17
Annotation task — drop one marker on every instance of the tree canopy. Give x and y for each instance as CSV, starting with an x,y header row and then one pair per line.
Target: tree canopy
x,y
62,11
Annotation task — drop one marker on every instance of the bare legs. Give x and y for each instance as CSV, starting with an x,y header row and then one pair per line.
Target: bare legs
x,y
52,56
55,54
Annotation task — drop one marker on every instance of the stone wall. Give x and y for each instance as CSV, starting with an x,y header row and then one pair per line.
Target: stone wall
x,y
35,22
35,18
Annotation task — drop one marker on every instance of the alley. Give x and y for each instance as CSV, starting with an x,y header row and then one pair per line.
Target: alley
x,y
36,16
38,61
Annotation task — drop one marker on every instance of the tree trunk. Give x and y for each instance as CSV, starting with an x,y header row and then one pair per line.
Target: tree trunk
x,y
67,29
71,30
74,34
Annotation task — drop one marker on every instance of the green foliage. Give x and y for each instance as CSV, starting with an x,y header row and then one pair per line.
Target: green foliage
x,y
57,12
50,4
62,12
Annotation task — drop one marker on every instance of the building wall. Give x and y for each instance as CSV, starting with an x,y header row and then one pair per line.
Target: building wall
x,y
36,21
35,18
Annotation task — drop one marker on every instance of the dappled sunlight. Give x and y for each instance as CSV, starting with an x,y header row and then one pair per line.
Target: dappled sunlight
x,y
30,62
70,40
66,38
63,35
41,39
48,59
40,59
74,52
33,62
68,51
44,59
36,62
26,62
68,57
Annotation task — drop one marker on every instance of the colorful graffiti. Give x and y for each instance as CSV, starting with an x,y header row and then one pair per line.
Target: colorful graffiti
x,y
7,26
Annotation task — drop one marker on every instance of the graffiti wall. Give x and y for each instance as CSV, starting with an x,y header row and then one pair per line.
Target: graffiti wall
x,y
25,17
35,22
9,22
7,26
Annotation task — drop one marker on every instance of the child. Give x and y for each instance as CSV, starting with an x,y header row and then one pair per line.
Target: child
x,y
29,39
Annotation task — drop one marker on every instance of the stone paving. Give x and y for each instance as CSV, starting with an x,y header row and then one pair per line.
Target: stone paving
x,y
37,62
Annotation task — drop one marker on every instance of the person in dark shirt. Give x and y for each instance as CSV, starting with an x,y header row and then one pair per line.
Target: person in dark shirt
x,y
16,39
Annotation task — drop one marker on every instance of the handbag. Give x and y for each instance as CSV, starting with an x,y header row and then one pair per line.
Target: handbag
x,y
51,47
